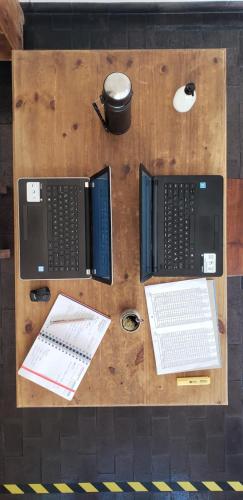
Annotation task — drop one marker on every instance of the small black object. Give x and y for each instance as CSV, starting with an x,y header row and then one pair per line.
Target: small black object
x,y
190,88
40,294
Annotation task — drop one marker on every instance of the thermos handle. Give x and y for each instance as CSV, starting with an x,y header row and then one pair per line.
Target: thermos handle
x,y
100,116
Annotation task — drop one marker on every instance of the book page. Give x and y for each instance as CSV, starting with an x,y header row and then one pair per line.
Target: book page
x,y
183,326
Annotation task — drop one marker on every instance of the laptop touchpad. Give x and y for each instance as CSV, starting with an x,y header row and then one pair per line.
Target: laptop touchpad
x,y
35,221
206,233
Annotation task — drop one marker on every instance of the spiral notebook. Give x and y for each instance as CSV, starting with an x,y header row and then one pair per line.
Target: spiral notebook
x,y
65,346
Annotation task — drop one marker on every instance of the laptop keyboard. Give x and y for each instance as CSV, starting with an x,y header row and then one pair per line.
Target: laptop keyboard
x,y
179,226
62,220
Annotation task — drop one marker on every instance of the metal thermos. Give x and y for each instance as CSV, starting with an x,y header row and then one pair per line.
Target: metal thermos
x,y
116,98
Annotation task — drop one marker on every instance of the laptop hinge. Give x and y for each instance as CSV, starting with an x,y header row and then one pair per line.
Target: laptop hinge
x,y
155,224
87,227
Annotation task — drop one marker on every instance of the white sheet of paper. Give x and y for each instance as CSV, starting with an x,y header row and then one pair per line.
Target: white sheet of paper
x,y
183,324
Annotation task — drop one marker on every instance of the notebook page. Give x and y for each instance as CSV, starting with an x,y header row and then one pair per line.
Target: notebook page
x,y
62,352
84,335
53,369
183,332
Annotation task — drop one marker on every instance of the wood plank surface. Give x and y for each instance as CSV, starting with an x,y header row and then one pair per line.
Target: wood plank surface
x,y
5,50
11,23
235,227
57,133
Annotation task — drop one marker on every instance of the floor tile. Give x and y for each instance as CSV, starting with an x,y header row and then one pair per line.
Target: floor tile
x,y
196,436
160,436
234,435
235,313
216,453
215,420
124,467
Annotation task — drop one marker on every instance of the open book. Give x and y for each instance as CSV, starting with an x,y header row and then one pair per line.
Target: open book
x,y
65,346
184,328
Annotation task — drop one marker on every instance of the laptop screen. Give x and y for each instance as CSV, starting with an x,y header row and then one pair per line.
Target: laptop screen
x,y
146,250
101,226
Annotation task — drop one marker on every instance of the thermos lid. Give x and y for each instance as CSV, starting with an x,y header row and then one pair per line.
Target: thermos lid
x,y
117,86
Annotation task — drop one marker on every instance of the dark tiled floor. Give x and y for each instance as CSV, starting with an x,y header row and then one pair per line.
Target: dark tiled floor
x,y
123,443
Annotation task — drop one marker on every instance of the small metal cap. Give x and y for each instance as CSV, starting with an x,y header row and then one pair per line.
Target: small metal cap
x,y
117,86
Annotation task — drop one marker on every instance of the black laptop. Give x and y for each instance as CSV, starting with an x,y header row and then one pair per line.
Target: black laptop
x,y
65,227
181,225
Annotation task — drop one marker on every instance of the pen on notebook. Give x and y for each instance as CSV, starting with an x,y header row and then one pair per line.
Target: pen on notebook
x,y
74,320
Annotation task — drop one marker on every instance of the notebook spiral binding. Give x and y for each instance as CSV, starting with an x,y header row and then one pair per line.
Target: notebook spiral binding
x,y
65,347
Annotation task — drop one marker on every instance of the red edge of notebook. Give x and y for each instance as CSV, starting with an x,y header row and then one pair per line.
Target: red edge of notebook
x,y
47,378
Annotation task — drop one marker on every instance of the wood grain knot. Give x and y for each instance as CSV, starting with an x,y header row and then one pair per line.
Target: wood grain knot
x,y
19,103
78,63
126,276
140,356
164,69
110,59
112,370
221,326
36,96
235,243
52,104
75,126
129,62
159,162
126,169
64,134
173,161
28,326
215,60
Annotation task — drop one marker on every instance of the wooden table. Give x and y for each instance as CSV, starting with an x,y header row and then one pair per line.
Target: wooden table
x,y
57,133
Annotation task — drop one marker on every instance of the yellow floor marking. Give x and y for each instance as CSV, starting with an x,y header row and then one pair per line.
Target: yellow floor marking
x,y
88,487
236,485
137,486
187,486
112,486
212,486
14,489
162,486
63,488
38,488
